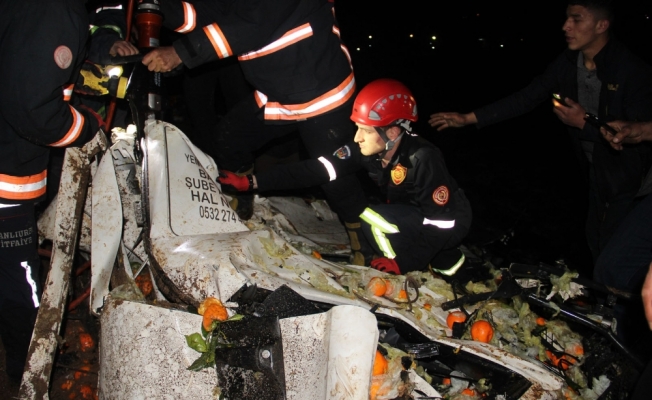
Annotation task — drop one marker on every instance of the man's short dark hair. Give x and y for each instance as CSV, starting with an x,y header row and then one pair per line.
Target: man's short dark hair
x,y
601,9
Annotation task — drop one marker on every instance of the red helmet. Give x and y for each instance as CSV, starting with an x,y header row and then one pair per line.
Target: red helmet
x,y
382,102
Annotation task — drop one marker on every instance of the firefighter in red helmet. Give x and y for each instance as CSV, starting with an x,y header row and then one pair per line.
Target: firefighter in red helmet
x,y
425,211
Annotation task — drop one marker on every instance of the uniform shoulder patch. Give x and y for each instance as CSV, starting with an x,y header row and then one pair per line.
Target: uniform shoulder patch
x,y
440,195
343,153
63,56
398,174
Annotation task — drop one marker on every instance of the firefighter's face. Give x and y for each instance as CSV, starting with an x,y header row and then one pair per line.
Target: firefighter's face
x,y
582,28
369,140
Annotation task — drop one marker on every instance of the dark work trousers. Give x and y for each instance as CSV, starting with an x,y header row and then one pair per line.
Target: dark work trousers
x,y
19,283
413,252
242,131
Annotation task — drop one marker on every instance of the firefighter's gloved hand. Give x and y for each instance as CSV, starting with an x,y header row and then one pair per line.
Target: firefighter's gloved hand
x,y
241,183
97,80
385,264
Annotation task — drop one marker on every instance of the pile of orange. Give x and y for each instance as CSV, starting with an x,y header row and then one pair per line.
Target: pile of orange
x,y
212,310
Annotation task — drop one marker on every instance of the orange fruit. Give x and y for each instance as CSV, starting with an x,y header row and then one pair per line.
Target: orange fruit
x,y
214,312
380,364
575,349
446,381
207,303
377,286
316,254
468,392
455,316
373,390
481,331
427,306
562,362
402,295
541,321
144,283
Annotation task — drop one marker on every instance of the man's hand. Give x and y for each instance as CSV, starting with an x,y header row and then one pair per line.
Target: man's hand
x,y
573,115
240,183
628,132
385,265
162,59
123,48
445,120
646,293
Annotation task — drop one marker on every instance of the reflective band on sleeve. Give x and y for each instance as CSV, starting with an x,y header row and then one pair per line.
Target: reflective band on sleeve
x,y
261,99
332,175
452,270
99,10
218,40
383,243
30,281
336,30
189,18
74,131
67,92
23,187
324,103
346,53
376,220
439,223
288,39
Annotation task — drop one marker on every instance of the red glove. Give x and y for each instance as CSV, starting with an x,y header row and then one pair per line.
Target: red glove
x,y
240,183
385,265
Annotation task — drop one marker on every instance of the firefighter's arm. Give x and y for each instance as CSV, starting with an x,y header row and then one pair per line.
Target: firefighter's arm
x,y
220,29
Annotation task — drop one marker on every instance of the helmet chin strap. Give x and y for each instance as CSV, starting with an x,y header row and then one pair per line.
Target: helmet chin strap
x,y
382,131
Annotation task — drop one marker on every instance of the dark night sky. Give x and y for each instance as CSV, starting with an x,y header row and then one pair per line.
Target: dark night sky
x,y
518,174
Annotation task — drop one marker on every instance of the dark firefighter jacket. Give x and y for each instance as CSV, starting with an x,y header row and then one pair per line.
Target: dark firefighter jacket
x,y
290,50
42,43
416,176
625,94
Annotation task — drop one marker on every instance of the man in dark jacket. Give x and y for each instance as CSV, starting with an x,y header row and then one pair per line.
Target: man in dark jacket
x,y
291,53
595,75
426,211
42,46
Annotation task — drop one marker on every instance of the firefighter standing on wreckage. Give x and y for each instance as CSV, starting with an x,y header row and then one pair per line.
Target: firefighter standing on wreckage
x,y
42,45
426,212
291,53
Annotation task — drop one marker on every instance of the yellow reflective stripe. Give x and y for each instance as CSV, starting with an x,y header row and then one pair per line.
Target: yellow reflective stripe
x,y
383,243
439,223
332,175
376,220
452,270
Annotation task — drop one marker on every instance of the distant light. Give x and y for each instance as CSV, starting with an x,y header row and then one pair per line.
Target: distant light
x,y
358,49
521,39
433,47
434,38
370,37
369,45
411,35
477,15
502,45
481,39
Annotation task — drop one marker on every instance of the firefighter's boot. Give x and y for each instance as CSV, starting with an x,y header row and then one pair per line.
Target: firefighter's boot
x,y
361,251
243,202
